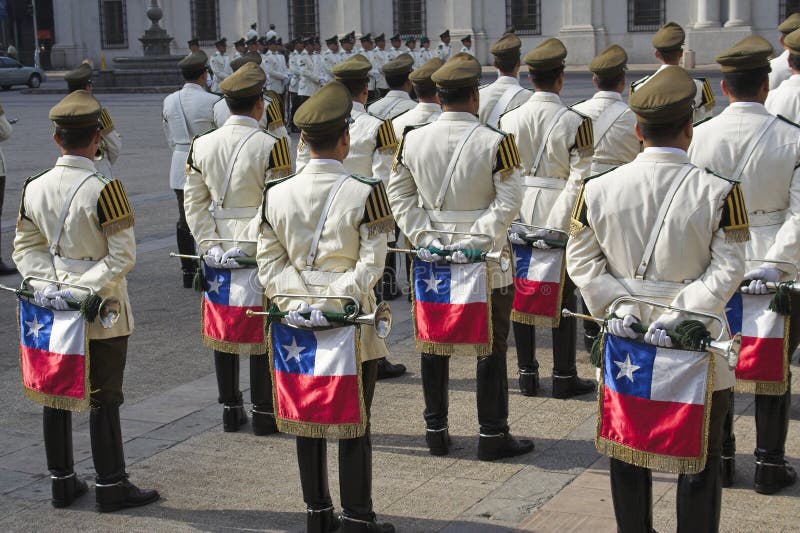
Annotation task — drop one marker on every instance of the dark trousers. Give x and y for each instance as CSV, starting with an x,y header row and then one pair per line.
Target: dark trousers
x,y
699,495
355,464
226,366
492,378
297,101
186,245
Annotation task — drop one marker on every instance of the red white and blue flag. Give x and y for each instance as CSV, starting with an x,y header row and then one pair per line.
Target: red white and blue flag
x,y
228,294
538,277
451,308
654,405
317,381
54,356
763,362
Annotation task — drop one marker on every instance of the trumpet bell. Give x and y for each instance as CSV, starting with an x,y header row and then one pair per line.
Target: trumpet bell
x,y
503,258
382,320
728,349
109,313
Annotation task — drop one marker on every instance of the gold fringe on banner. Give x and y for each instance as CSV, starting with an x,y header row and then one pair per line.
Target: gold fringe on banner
x,y
447,349
770,388
541,320
316,430
239,348
655,461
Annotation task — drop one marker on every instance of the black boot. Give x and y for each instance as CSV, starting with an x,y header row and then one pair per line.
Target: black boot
x,y
388,370
66,486
566,382
352,525
772,424
525,339
772,477
312,460
261,396
355,458
435,372
729,448
113,491
632,494
493,447
700,498
186,247
321,521
227,370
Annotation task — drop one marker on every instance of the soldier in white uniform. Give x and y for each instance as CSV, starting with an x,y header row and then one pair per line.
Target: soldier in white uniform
x,y
240,48
556,146
331,56
505,93
425,53
696,263
381,59
277,73
396,48
367,47
785,98
5,134
428,107
220,64
347,41
411,49
76,225
483,196
443,48
770,182
668,42
466,43
252,32
226,172
294,77
780,64
187,112
310,76
397,100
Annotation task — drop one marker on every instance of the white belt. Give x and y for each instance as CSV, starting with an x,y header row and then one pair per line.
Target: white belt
x,y
320,278
74,266
643,288
545,182
454,217
181,148
771,218
225,213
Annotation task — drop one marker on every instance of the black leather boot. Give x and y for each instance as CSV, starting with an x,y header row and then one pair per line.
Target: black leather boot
x,y
525,339
321,521
227,371
66,487
312,460
435,372
352,525
113,491
387,370
493,447
355,488
699,498
773,473
728,448
186,246
261,396
566,382
632,494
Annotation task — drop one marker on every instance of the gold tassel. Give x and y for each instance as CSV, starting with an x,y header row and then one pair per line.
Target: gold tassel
x,y
238,348
382,225
118,225
575,227
737,235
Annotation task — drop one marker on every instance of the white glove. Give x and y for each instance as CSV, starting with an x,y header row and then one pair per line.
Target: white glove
x,y
458,257
621,327
317,319
426,255
213,257
295,319
540,235
759,276
228,258
756,287
41,297
515,238
657,335
541,245
58,300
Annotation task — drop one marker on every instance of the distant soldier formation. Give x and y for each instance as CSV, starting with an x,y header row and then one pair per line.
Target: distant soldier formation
x,y
675,230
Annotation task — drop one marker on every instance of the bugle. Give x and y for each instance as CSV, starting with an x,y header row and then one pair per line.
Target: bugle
x,y
501,257
773,286
531,236
245,261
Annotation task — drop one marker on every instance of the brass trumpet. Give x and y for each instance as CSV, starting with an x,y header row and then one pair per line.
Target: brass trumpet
x,y
247,262
773,286
531,237
501,257
380,319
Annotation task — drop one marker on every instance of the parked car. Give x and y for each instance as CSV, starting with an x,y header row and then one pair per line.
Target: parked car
x,y
12,72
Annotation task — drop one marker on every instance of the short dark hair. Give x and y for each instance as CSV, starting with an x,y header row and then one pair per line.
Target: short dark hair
x,y
609,82
506,64
794,61
663,134
76,138
671,56
747,83
396,81
455,96
425,91
322,143
545,78
73,86
356,87
242,105
191,75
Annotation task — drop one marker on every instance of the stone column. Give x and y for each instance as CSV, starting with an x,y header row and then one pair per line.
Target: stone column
x,y
578,32
68,49
738,13
708,14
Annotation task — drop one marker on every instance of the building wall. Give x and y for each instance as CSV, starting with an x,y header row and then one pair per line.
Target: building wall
x,y
585,26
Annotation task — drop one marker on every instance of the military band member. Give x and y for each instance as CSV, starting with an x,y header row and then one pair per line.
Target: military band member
x,y
483,196
220,64
5,134
187,112
770,184
348,41
505,93
367,47
271,33
76,225
443,50
425,53
348,260
668,42
380,60
411,49
252,44
277,73
294,80
397,100
240,47
556,146
396,48
780,64
226,172
784,100
252,32
466,43
110,142
696,263
311,79
428,107
331,56
194,45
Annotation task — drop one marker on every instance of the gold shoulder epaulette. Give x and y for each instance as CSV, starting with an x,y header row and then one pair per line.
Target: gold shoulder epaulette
x,y
279,158
584,138
106,124
377,213
507,154
386,139
708,100
579,218
734,219
113,209
274,114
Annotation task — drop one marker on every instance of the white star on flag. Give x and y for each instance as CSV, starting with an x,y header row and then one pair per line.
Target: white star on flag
x,y
626,368
293,351
33,327
432,284
214,285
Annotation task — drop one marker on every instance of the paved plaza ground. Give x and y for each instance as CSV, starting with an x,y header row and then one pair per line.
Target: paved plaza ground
x,y
215,481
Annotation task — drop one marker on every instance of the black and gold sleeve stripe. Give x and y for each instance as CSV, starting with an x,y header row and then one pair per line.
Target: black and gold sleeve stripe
x,y
734,216
584,138
386,139
274,114
279,158
106,124
113,209
507,154
708,100
580,217
377,213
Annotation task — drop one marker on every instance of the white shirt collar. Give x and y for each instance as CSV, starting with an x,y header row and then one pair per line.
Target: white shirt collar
x,y
394,93
794,77
547,93
614,95
747,105
358,106
193,86
242,120
76,161
507,79
664,150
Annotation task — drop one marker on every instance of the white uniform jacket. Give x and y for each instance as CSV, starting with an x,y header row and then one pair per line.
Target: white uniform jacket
x,y
615,140
780,70
391,105
422,113
506,88
785,99
221,68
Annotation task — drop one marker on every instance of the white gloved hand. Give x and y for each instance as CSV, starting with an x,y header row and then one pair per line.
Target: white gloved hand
x,y
426,255
317,319
213,256
764,273
540,235
516,238
58,302
756,287
295,319
541,245
229,258
459,257
621,327
41,297
657,335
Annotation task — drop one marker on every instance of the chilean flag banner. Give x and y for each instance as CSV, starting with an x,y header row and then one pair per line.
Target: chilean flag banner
x,y
316,376
763,366
54,357
654,405
451,308
538,279
229,293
